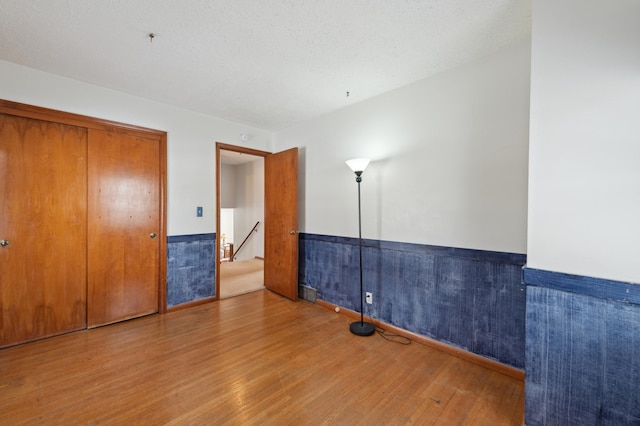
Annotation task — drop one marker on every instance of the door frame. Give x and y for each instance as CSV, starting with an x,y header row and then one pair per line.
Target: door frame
x,y
220,146
56,116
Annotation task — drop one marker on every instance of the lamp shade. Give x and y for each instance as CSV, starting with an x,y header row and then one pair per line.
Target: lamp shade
x,y
358,164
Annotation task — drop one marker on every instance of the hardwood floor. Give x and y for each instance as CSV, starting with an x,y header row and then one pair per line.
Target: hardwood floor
x,y
253,359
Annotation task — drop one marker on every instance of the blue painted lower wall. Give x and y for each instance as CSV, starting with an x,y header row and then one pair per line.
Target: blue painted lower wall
x,y
190,268
471,299
582,350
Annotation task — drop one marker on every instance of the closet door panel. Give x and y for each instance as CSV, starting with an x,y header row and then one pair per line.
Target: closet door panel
x,y
43,198
123,226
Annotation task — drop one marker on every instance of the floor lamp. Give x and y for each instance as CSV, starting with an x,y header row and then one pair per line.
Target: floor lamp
x,y
360,328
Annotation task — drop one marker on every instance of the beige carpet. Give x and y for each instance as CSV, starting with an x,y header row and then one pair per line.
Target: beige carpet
x,y
240,277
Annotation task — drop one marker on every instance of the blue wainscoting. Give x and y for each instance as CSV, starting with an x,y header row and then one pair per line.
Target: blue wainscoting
x,y
472,299
582,350
190,268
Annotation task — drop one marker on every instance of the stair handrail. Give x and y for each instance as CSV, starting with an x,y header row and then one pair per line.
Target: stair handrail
x,y
235,253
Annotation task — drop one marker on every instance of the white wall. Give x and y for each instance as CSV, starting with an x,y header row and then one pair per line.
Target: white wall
x,y
584,183
190,141
249,208
449,160
227,225
228,186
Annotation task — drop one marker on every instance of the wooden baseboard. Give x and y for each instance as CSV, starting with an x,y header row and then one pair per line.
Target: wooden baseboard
x,y
191,304
449,349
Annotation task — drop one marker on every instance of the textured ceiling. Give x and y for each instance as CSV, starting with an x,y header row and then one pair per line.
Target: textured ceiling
x,y
267,63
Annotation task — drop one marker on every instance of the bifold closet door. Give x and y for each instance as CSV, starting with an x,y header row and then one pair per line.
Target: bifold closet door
x,y
123,226
43,233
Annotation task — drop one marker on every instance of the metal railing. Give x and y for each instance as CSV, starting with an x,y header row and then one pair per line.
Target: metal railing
x,y
254,229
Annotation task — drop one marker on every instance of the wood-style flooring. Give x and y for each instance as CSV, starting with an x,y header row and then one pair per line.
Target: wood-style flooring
x,y
252,359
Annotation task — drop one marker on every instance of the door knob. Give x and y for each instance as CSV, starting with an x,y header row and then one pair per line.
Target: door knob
x,y
152,235
4,243
292,232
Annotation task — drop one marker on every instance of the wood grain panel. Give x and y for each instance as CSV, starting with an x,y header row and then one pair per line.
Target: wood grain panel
x,y
281,223
43,215
252,359
124,210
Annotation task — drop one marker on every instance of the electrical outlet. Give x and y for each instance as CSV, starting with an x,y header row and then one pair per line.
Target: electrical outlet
x,y
369,297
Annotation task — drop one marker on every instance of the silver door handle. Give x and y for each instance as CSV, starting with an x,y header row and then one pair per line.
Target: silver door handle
x,y
152,235
4,243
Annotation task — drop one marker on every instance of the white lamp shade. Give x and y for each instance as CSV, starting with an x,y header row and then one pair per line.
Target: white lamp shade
x,y
358,164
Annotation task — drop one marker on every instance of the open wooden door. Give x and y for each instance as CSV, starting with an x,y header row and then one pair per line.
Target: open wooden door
x,y
281,223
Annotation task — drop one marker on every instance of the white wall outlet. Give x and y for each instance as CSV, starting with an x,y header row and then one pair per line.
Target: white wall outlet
x,y
368,296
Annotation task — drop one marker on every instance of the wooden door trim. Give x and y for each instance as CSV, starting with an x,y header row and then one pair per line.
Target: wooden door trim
x,y
56,116
226,147
162,273
46,114
242,149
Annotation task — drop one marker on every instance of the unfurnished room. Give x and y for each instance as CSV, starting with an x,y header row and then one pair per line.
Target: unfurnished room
x,y
404,212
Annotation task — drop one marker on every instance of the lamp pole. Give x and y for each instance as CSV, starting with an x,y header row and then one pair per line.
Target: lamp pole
x,y
360,328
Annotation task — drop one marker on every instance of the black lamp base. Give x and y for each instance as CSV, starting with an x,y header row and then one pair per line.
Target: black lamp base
x,y
362,328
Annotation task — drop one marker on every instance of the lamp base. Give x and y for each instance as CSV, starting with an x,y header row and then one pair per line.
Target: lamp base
x,y
362,328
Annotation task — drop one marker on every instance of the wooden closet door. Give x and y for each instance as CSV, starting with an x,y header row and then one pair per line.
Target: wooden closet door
x,y
123,226
43,197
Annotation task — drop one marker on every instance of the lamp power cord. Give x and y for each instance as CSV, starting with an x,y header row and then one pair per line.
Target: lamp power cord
x,y
395,338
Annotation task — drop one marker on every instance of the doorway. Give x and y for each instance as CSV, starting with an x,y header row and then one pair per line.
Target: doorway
x,y
241,223
276,238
